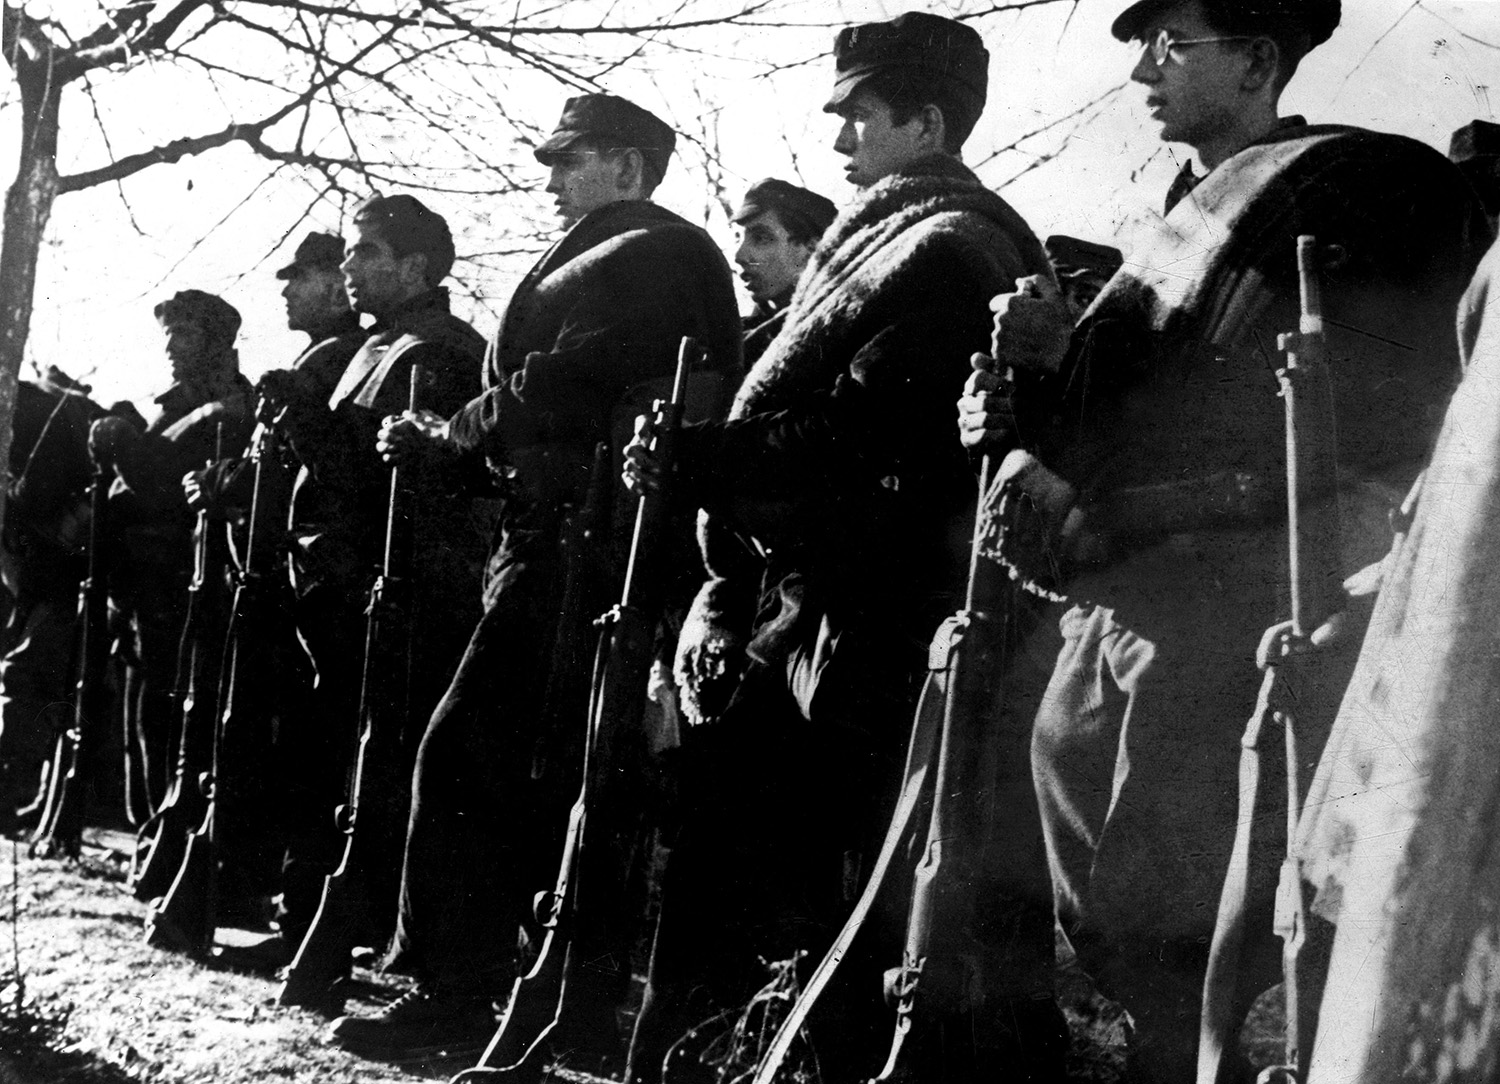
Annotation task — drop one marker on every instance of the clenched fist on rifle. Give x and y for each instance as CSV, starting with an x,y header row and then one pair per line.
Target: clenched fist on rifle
x,y
1032,329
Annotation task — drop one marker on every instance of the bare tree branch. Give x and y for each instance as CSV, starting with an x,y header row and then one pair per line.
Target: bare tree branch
x,y
182,148
118,42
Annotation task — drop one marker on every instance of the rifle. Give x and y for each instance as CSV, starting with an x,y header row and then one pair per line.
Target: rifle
x,y
162,839
567,999
185,918
1313,565
374,818
951,752
951,757
947,961
59,833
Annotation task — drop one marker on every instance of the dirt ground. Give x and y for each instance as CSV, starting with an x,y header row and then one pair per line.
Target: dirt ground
x,y
100,1005
96,1005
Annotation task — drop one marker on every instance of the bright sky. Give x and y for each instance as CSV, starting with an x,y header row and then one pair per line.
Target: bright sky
x,y
1421,69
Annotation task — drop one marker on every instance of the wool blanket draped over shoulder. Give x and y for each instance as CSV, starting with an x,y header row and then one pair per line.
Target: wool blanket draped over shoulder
x,y
1173,376
840,458
1402,822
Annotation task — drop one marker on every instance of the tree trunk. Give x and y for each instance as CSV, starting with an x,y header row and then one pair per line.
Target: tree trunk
x,y
28,205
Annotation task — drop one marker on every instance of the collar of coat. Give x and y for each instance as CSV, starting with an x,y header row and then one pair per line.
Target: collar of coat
x,y
185,397
503,357
867,257
412,309
600,225
1186,180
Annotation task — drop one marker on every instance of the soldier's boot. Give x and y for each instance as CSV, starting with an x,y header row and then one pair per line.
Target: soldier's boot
x,y
423,1022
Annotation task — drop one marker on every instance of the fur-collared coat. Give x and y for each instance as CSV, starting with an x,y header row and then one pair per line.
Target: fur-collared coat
x,y
840,459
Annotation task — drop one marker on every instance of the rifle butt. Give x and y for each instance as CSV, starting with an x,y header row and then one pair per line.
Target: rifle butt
x,y
542,1019
164,850
183,921
59,832
543,1013
346,914
323,961
531,1016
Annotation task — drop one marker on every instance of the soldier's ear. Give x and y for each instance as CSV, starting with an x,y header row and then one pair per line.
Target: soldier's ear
x,y
334,292
933,133
414,268
631,165
1265,61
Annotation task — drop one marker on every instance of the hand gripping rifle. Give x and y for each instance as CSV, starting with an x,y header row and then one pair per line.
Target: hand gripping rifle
x,y
373,820
59,833
162,839
213,758
1313,562
567,999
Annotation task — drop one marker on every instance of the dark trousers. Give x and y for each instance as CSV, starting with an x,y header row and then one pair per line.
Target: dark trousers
x,y
36,680
783,805
489,794
315,748
318,739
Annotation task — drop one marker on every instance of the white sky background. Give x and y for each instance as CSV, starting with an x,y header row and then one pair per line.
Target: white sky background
x,y
1420,69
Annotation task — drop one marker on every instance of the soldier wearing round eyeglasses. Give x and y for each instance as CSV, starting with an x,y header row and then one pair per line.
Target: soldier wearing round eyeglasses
x,y
1168,438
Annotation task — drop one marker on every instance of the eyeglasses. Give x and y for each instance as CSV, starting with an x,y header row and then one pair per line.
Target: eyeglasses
x,y
1161,43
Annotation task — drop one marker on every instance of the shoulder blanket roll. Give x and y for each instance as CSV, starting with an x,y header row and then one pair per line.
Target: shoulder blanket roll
x,y
866,262
873,306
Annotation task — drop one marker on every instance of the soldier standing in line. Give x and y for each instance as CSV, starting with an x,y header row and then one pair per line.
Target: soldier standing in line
x,y
600,314
392,266
779,226
1165,438
206,412
42,559
306,784
839,462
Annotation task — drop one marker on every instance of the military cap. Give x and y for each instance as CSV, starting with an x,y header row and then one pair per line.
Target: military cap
x,y
609,123
219,319
316,250
1477,139
804,213
1072,256
1475,148
1317,17
916,42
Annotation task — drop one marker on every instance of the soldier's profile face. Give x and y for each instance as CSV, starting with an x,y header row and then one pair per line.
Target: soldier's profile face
x,y
582,181
373,273
310,294
1194,92
186,345
875,144
770,261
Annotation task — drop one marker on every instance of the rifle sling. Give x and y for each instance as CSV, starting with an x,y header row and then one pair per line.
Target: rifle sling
x,y
921,752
